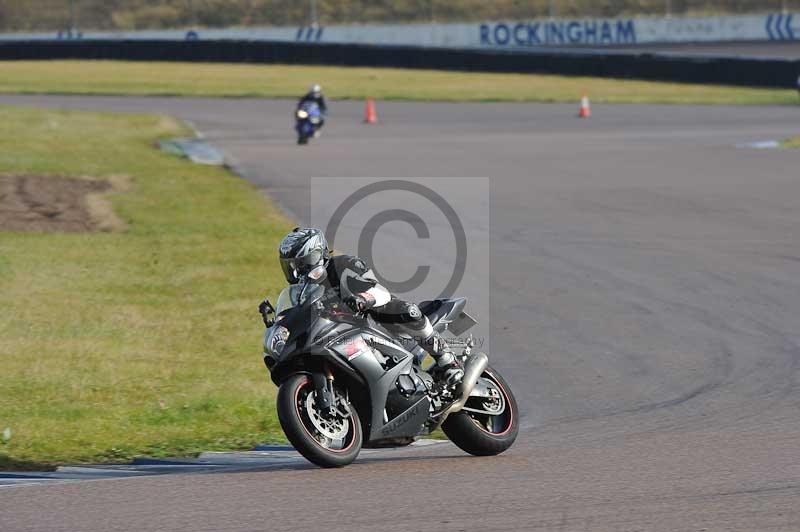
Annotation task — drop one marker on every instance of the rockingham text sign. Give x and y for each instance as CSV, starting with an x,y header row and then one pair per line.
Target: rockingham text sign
x,y
558,32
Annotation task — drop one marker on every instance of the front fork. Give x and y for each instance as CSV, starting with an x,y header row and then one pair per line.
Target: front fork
x,y
325,396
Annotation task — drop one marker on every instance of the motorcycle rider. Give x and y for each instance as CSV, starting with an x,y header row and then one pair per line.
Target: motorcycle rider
x,y
304,249
314,95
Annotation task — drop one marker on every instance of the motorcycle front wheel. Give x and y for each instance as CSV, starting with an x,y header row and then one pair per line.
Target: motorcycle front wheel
x,y
325,439
478,431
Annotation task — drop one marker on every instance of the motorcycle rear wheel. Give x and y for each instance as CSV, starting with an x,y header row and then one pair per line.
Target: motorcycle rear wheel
x,y
306,427
481,434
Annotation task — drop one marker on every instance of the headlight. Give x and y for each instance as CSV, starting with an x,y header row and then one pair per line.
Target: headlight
x,y
275,340
302,114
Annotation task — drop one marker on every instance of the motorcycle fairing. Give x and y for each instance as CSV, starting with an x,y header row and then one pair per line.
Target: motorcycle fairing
x,y
381,384
307,125
406,411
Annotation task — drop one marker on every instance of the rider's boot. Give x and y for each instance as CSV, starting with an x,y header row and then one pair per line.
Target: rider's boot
x,y
446,361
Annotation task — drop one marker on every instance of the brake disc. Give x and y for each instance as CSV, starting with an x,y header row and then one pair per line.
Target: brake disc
x,y
334,427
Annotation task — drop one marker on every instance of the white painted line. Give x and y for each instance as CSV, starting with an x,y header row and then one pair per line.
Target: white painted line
x,y
761,145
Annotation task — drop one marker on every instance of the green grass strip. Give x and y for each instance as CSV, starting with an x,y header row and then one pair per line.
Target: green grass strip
x,y
199,79
147,341
793,142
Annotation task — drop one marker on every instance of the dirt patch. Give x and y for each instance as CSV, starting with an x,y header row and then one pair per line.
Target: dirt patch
x,y
57,204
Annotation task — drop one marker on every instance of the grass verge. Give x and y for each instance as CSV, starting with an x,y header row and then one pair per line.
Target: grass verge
x,y
198,79
793,142
146,341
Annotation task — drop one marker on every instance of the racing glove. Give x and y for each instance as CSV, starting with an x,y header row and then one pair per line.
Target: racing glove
x,y
360,302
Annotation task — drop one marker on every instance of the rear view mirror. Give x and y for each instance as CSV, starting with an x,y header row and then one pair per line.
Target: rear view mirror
x,y
318,275
266,309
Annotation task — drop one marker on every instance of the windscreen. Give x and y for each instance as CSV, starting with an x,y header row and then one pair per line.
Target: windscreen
x,y
288,298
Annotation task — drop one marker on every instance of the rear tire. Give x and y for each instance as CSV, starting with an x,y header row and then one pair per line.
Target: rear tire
x,y
301,431
483,435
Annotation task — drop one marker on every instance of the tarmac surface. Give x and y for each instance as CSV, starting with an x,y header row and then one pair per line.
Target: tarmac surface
x,y
645,307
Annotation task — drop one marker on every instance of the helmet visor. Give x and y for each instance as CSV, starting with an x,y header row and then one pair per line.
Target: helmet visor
x,y
296,266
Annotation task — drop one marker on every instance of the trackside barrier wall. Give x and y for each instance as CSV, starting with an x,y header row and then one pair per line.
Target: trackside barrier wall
x,y
757,72
532,33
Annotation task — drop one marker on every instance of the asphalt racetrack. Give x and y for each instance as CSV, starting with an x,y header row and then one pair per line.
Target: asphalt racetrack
x,y
645,306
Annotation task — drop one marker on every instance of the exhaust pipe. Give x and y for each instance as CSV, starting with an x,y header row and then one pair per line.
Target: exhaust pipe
x,y
473,369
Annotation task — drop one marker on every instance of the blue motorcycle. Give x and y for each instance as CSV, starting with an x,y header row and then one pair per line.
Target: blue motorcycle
x,y
308,121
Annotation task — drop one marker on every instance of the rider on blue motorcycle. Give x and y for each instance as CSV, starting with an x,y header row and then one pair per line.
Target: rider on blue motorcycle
x,y
304,249
314,95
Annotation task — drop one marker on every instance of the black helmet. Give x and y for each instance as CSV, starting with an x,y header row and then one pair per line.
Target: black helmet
x,y
301,251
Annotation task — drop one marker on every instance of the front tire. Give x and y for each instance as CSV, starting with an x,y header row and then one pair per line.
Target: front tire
x,y
324,441
482,434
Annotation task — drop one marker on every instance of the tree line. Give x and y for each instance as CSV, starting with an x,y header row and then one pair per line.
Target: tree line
x,y
54,15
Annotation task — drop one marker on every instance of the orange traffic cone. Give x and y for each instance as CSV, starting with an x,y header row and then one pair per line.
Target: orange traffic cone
x,y
370,115
585,111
